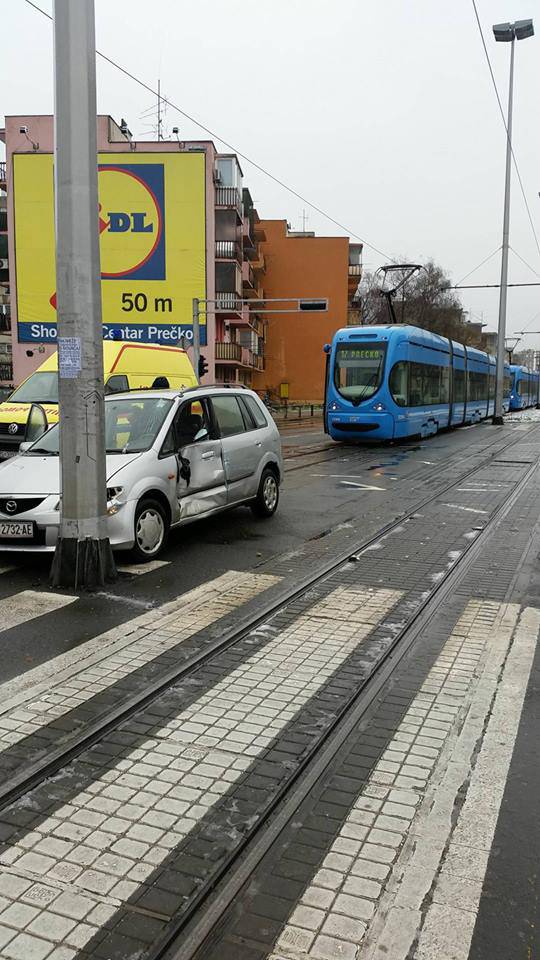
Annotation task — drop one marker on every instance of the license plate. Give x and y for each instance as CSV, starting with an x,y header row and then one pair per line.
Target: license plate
x,y
12,528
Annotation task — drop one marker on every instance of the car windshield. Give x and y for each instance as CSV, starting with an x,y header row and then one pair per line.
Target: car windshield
x,y
358,370
131,426
39,388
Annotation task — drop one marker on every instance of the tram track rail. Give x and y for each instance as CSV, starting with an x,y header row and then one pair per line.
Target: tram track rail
x,y
186,933
35,773
339,451
196,925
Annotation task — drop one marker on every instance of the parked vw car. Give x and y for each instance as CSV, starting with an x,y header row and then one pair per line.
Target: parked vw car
x,y
172,457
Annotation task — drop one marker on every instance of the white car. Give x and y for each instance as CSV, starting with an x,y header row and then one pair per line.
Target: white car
x,y
172,457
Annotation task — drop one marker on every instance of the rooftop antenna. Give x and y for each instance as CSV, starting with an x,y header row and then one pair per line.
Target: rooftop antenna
x,y
159,132
305,219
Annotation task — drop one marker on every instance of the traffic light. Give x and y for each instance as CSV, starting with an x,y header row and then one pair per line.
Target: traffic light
x,y
203,366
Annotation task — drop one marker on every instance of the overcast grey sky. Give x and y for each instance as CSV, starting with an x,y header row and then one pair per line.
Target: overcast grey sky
x,y
381,112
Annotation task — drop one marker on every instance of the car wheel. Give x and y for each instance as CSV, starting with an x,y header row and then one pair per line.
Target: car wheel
x,y
150,531
267,499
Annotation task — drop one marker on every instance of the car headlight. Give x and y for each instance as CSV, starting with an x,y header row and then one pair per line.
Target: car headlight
x,y
112,495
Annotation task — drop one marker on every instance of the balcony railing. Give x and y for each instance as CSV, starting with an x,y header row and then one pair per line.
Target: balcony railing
x,y
228,351
228,250
2,171
259,362
229,197
355,269
228,302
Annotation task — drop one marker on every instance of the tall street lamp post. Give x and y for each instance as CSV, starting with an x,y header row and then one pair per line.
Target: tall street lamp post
x,y
506,33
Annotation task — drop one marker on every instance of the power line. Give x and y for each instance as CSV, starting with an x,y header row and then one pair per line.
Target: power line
x,y
487,286
532,320
478,267
518,255
229,146
505,126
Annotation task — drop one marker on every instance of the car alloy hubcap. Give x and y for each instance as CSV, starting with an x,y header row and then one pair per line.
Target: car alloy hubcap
x,y
270,493
150,531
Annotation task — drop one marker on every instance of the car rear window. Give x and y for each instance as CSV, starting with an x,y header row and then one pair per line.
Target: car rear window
x,y
228,415
256,414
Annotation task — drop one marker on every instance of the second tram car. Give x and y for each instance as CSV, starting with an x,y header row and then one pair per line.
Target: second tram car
x,y
525,390
391,382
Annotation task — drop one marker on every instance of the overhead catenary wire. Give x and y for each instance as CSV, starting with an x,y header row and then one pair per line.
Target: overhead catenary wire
x,y
518,255
481,264
529,322
505,126
230,146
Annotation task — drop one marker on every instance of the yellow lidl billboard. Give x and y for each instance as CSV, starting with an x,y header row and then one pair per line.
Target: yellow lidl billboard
x,y
152,244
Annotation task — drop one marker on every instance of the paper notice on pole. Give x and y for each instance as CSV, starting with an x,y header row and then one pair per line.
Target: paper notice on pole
x,y
69,357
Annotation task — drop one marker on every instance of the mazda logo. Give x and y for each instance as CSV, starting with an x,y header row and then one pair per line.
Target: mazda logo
x,y
13,427
11,506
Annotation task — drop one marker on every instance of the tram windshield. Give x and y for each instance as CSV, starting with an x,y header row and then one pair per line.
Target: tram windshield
x,y
358,370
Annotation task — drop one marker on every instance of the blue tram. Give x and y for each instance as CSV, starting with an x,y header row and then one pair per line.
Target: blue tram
x,y
391,382
525,390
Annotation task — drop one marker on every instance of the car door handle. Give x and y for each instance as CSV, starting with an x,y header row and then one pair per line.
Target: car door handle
x,y
207,456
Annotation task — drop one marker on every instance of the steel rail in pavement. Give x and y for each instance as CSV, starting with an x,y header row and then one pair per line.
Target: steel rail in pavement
x,y
249,853
35,773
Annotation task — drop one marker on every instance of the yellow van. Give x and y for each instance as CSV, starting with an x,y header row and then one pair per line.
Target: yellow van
x,y
127,366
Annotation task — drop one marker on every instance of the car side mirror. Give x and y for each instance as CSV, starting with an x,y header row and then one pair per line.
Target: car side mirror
x,y
23,447
201,434
36,425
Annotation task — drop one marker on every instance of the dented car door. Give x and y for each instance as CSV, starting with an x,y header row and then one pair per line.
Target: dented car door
x,y
201,485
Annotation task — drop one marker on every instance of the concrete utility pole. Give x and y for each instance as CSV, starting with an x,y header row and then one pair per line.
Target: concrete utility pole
x,y
83,556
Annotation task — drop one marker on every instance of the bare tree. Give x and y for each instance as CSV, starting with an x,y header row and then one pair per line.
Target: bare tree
x,y
423,301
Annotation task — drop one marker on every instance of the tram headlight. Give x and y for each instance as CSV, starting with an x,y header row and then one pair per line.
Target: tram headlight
x,y
334,406
378,407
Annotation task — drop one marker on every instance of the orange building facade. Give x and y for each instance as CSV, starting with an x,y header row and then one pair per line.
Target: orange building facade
x,y
305,266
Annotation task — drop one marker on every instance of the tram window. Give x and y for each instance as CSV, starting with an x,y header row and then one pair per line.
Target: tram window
x,y
478,385
445,384
398,383
459,386
507,388
428,384
416,385
491,385
358,370
432,375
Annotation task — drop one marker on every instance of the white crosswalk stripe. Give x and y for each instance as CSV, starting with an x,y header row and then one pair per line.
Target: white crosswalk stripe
x,y
138,569
108,839
129,647
28,605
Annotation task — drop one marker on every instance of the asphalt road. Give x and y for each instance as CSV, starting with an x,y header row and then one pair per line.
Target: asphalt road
x,y
323,490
